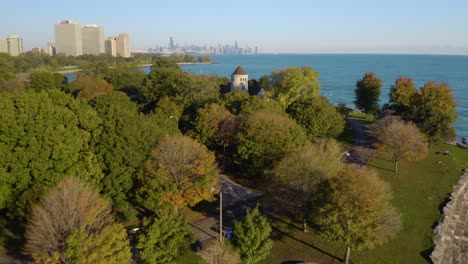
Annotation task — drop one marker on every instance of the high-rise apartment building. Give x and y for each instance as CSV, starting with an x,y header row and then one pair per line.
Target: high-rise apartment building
x,y
50,48
110,46
68,38
122,43
14,45
93,39
3,46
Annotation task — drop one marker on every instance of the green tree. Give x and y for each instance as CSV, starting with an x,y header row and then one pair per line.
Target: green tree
x,y
74,224
207,123
317,116
367,93
303,170
264,138
179,171
402,140
125,142
289,84
12,85
44,136
41,80
433,110
164,238
402,94
251,236
354,208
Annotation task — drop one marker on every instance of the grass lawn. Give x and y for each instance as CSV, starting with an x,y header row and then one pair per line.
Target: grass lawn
x,y
420,190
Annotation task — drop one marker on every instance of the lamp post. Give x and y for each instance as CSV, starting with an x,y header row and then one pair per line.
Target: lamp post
x,y
220,214
176,118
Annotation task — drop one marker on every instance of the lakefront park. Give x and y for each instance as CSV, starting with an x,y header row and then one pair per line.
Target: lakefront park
x,y
301,166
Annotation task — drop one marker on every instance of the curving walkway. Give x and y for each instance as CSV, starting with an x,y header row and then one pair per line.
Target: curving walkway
x,y
451,235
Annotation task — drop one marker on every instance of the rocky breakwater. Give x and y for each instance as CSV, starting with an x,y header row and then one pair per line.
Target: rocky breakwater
x,y
451,234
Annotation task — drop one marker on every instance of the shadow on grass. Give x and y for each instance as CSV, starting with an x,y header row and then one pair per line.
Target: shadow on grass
x,y
380,168
279,234
426,254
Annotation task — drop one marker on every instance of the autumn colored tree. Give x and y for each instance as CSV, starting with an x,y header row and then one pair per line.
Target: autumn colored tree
x,y
164,238
292,83
88,87
251,236
402,93
402,140
73,224
13,84
303,170
219,253
179,171
264,138
354,208
367,93
317,116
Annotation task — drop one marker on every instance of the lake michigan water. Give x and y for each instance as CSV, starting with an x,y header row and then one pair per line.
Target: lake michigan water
x,y
339,73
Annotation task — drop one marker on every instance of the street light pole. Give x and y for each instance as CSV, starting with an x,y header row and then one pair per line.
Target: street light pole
x,y
221,216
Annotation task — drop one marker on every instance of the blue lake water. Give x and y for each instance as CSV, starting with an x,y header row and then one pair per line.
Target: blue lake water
x,y
339,73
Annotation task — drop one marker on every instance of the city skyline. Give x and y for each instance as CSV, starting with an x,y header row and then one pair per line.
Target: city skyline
x,y
416,27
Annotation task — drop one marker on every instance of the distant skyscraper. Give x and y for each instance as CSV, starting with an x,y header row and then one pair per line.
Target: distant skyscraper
x,y
171,43
3,46
50,48
14,45
235,45
122,43
68,38
93,39
110,46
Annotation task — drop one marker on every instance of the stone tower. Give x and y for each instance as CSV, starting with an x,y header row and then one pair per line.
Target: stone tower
x,y
239,80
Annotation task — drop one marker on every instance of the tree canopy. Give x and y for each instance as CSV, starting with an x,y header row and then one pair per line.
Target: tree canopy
x,y
251,236
264,138
164,238
44,136
292,83
354,208
367,93
303,170
402,140
179,171
125,141
317,116
73,224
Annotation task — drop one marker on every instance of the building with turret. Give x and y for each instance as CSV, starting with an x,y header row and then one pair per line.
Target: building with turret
x,y
239,80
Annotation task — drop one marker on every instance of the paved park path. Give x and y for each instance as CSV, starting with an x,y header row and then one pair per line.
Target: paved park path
x,y
362,150
236,200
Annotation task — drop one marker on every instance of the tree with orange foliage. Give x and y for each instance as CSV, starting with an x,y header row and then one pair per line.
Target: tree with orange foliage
x,y
402,140
179,171
88,87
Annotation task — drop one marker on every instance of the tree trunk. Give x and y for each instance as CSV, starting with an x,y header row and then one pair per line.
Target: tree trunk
x,y
305,226
348,251
395,165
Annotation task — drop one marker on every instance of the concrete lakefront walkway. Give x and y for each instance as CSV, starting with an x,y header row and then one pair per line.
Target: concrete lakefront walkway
x,y
451,234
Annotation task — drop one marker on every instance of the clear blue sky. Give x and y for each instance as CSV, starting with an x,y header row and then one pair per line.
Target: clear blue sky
x,y
295,26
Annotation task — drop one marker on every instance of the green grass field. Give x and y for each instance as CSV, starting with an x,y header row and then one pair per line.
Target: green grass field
x,y
420,190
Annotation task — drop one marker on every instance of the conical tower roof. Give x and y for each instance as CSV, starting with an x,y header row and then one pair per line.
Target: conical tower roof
x,y
239,71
